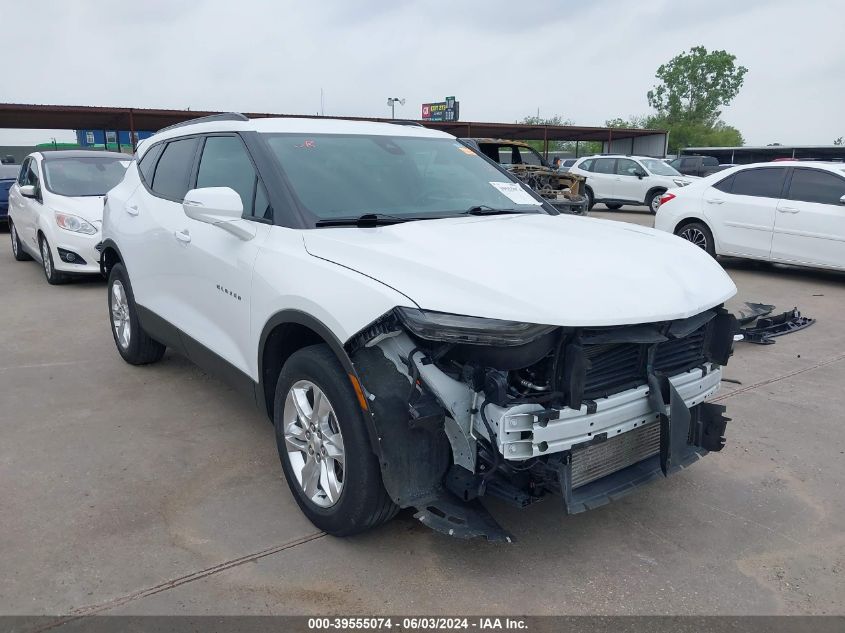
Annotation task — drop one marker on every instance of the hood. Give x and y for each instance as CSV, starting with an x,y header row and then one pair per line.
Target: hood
x,y
86,207
555,270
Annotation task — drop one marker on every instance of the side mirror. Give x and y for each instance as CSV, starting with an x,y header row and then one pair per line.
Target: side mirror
x,y
218,206
842,200
641,175
27,191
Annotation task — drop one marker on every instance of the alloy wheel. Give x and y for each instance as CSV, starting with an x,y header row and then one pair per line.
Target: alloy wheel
x,y
655,204
695,236
45,259
314,443
120,315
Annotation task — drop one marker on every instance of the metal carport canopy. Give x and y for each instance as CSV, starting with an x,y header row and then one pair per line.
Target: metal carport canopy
x,y
62,117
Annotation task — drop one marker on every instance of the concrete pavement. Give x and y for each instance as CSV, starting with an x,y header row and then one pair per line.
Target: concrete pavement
x,y
157,490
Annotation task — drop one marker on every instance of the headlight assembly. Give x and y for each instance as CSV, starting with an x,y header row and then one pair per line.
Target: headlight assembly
x,y
455,328
680,183
74,223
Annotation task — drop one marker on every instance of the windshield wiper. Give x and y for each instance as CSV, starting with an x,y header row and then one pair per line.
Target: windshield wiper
x,y
483,209
366,220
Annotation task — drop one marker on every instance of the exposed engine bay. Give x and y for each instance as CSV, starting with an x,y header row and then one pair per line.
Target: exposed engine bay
x,y
466,409
562,189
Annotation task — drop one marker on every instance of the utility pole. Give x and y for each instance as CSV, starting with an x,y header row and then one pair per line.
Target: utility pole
x,y
391,101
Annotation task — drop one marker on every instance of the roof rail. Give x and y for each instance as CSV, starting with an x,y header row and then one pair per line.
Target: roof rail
x,y
405,122
223,116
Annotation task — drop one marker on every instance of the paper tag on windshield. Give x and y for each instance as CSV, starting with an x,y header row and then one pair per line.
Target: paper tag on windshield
x,y
515,193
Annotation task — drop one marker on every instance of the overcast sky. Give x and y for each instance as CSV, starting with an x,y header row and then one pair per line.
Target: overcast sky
x,y
587,61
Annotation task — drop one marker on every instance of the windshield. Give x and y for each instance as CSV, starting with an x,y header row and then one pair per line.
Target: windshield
x,y
659,168
83,176
343,176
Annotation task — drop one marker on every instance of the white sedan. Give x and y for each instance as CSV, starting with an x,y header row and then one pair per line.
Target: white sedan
x,y
791,212
56,209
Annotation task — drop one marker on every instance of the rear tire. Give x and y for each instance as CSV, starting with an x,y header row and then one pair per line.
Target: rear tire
x,y
613,206
699,234
338,433
54,277
590,199
17,248
653,200
133,343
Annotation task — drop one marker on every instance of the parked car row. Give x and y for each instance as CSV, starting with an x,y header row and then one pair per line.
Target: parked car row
x,y
416,323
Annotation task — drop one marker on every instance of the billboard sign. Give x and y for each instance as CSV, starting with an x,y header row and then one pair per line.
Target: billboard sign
x,y
447,110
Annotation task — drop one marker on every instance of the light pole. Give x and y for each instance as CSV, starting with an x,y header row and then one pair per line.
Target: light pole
x,y
391,101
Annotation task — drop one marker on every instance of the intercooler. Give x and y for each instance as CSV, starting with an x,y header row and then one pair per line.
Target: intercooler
x,y
600,459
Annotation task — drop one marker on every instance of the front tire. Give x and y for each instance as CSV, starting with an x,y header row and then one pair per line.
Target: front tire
x,y
653,200
17,248
698,234
133,343
54,277
324,446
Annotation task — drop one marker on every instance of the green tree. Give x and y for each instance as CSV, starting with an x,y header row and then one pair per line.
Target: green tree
x,y
693,134
695,85
635,121
838,141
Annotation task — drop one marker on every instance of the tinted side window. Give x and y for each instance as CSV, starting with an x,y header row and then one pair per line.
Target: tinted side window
x,y
31,177
148,162
627,167
262,208
676,163
174,169
815,185
604,165
23,173
763,182
225,163
709,161
725,184
587,165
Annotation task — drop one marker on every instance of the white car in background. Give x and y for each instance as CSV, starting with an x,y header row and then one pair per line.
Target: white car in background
x,y
631,180
56,209
791,212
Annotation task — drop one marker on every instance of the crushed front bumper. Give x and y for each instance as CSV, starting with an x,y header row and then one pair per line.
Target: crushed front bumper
x,y
529,430
576,205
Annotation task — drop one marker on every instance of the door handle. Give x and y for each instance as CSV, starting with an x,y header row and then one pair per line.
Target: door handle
x,y
183,236
788,210
132,209
714,201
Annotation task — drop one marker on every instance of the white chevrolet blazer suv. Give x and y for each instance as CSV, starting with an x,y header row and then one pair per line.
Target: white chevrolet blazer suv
x,y
421,329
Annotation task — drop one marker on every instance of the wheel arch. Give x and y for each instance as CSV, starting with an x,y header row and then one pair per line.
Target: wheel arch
x,y
109,256
654,190
283,334
695,219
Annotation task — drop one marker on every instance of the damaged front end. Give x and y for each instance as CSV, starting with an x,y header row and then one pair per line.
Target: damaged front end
x,y
465,407
564,190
